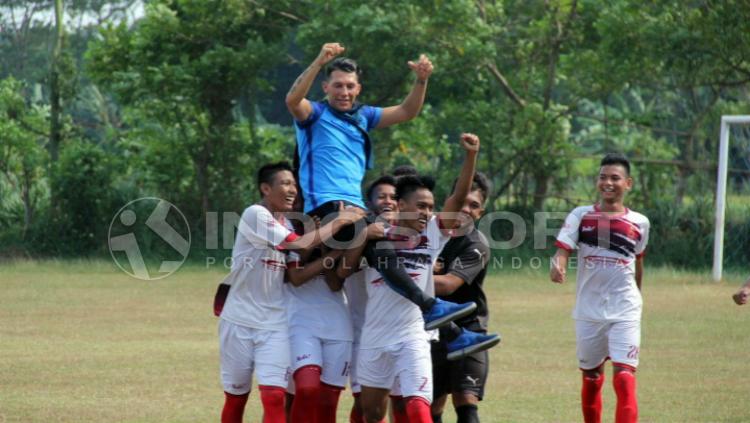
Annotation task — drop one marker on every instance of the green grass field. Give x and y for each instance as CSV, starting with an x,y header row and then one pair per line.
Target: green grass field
x,y
83,342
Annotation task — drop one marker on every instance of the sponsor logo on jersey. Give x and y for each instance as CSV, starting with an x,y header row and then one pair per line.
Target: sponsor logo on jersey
x,y
303,357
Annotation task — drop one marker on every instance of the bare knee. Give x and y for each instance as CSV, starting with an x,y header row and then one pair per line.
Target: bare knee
x,y
438,405
593,373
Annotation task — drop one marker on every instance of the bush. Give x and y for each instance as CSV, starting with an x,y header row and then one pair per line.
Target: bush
x,y
76,221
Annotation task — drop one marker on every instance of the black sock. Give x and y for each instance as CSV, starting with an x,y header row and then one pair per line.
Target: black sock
x,y
384,259
468,413
437,418
449,332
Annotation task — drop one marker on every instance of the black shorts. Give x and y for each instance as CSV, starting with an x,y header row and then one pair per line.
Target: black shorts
x,y
327,212
467,375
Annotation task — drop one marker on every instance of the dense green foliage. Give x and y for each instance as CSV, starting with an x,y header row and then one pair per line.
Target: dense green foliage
x,y
183,99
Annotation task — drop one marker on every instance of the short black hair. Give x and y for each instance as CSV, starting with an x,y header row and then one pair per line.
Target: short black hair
x,y
268,171
383,180
403,170
343,64
408,184
616,159
481,183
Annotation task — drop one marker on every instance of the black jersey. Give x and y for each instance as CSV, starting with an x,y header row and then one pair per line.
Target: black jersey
x,y
467,257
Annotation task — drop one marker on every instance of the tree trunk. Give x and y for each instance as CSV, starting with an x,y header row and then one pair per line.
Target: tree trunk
x,y
55,133
28,207
541,186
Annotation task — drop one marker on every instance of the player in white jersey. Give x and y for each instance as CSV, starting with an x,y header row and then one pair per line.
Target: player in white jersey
x,y
393,342
611,241
321,338
382,204
251,301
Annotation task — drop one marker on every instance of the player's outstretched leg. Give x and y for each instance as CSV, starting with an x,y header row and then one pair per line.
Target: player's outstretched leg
x,y
461,342
437,312
627,402
591,395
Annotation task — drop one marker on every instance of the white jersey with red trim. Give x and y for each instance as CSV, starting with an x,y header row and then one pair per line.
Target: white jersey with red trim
x,y
607,245
256,298
314,309
389,317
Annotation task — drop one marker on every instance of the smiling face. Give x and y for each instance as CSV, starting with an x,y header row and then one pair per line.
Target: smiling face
x,y
613,183
415,210
383,201
279,195
472,207
342,89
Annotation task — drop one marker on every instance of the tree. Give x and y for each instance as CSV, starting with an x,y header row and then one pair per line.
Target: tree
x,y
184,65
22,156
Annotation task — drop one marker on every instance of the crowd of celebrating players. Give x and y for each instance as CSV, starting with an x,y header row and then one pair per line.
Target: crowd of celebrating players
x,y
387,294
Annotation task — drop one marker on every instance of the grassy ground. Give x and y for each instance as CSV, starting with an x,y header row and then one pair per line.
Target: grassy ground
x,y
83,342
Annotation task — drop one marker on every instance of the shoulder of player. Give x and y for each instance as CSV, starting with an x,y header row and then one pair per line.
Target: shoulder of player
x,y
636,217
476,240
582,210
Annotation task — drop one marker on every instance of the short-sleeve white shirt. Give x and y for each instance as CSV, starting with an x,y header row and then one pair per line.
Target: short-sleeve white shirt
x,y
608,245
389,317
256,298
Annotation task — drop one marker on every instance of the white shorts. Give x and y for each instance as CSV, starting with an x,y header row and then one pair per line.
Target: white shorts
x,y
243,349
409,361
354,382
333,357
597,341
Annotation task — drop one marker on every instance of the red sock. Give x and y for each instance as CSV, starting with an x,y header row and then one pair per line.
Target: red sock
x,y
329,401
591,398
234,408
627,402
272,398
418,410
306,404
355,416
398,406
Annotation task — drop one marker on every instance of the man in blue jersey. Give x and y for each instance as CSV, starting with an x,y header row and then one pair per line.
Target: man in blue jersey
x,y
334,151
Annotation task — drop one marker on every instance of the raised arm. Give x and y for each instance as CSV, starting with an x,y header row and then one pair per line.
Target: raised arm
x,y
453,204
298,105
412,104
